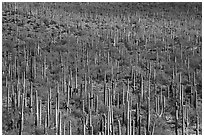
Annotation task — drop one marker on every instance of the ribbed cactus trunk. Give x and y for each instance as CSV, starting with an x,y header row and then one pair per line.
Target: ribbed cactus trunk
x,y
119,128
36,109
136,118
104,90
70,85
13,99
187,119
18,93
195,103
22,115
123,99
91,95
40,112
148,103
84,128
48,107
60,124
197,116
76,68
183,120
113,93
83,107
25,89
96,104
118,101
156,105
108,122
168,92
128,118
105,124
90,123
8,96
56,115
176,118
112,122
180,91
31,97
88,102
70,127
109,97
130,121
188,68
133,127
68,95
142,88
44,67
85,84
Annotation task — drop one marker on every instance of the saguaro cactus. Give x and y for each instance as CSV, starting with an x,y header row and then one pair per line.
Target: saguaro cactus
x,y
68,95
142,89
64,128
56,116
48,107
45,125
139,125
118,101
176,118
70,127
36,109
96,104
160,105
83,107
128,118
40,112
197,117
8,97
187,119
22,115
133,127
84,128
60,124
109,121
183,119
105,94
31,97
105,124
148,103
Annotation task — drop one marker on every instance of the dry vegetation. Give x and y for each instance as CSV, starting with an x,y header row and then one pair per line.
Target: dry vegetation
x,y
101,68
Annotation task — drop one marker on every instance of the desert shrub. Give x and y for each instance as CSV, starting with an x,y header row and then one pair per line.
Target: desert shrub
x,y
78,113
102,109
162,128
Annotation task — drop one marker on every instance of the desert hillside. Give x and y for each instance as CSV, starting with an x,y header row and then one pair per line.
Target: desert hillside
x,y
101,68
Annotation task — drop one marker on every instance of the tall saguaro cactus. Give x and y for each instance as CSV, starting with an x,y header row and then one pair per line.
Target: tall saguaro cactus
x,y
176,118
31,97
60,124
148,102
48,107
96,104
8,97
36,109
22,115
119,127
105,94
70,127
40,112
